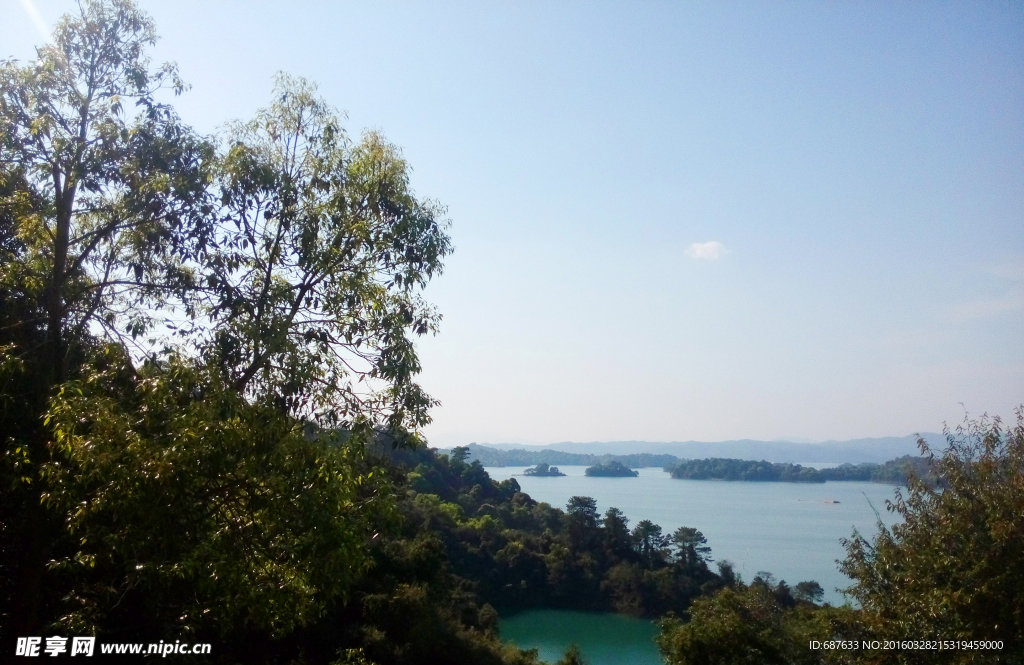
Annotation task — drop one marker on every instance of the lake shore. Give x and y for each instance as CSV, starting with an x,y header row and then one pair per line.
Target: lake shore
x,y
790,529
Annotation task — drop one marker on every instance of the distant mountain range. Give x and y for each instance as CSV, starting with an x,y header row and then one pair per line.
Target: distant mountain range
x,y
854,451
489,456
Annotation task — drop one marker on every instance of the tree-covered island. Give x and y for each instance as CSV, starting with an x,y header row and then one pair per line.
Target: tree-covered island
x,y
543,469
895,471
717,468
612,469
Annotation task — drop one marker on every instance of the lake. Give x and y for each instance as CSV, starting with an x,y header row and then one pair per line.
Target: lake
x,y
789,529
604,639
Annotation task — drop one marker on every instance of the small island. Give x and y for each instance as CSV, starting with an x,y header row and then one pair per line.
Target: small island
x,y
543,469
612,469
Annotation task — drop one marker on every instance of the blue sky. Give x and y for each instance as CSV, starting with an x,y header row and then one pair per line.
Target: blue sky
x,y
859,168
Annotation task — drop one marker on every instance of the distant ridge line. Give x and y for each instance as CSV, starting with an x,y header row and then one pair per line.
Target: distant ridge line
x,y
854,451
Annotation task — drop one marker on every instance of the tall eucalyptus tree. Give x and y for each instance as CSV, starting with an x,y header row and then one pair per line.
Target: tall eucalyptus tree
x,y
179,318
103,194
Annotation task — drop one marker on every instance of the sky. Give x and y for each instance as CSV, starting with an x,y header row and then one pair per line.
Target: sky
x,y
673,221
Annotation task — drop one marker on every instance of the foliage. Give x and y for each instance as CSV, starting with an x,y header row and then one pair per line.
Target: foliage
x,y
950,571
733,469
119,182
810,592
612,469
313,271
180,321
521,554
895,471
466,544
193,509
101,198
23,393
733,627
954,568
543,469
691,545
754,625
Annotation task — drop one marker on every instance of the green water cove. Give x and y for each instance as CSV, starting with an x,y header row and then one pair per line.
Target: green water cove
x,y
603,638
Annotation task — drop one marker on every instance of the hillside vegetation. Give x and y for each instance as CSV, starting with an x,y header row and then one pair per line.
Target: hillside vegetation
x,y
941,587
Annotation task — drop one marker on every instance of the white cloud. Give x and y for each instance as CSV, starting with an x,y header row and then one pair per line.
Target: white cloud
x,y
706,251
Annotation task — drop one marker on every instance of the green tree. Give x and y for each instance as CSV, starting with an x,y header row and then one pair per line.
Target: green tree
x,y
810,592
120,182
581,523
313,276
691,546
954,568
616,533
103,193
748,626
584,507
733,627
194,509
311,292
649,542
950,571
187,471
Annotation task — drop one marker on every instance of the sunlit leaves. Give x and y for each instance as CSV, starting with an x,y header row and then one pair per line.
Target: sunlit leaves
x,y
121,182
213,307
954,567
312,273
221,513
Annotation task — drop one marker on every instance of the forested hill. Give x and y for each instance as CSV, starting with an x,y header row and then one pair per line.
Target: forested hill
x,y
488,456
462,544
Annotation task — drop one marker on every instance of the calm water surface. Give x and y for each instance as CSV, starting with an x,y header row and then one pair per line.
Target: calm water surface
x,y
789,529
604,639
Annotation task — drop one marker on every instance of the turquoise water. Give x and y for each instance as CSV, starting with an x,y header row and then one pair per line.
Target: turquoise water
x,y
604,639
788,529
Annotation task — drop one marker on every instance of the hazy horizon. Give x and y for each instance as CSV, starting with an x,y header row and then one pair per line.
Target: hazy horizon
x,y
678,441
